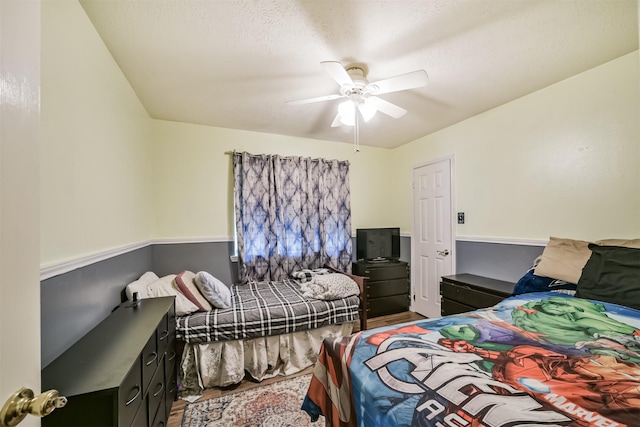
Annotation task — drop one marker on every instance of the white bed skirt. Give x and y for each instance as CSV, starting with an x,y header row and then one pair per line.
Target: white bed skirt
x,y
219,364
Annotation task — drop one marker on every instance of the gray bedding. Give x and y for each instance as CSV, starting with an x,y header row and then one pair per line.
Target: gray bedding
x,y
265,309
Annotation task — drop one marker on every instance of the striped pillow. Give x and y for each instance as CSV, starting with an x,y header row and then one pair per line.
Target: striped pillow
x,y
184,283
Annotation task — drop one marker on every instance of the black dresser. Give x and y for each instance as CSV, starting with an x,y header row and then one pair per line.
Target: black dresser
x,y
121,373
387,286
467,292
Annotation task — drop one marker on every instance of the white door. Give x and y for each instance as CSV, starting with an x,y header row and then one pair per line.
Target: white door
x,y
19,199
432,237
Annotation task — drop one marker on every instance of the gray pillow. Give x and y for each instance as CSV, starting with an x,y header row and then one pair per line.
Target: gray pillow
x,y
216,292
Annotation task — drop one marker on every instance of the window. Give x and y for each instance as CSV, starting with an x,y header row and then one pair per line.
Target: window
x,y
291,213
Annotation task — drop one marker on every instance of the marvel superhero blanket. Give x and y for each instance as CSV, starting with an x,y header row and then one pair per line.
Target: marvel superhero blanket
x,y
539,359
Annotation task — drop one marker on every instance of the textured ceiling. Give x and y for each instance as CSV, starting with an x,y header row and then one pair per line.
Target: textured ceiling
x,y
235,64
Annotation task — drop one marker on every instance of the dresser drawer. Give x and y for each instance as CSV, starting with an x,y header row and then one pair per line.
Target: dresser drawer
x,y
130,396
469,296
172,390
156,394
386,273
387,305
171,356
448,307
171,322
390,287
163,334
171,375
142,417
160,419
149,360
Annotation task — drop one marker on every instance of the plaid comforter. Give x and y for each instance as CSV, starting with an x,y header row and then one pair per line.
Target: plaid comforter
x,y
265,309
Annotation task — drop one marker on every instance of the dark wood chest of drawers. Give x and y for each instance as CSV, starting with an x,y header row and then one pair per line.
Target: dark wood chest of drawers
x,y
467,292
122,373
387,286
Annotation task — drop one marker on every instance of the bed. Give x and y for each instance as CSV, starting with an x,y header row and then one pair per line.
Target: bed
x,y
271,329
262,328
534,359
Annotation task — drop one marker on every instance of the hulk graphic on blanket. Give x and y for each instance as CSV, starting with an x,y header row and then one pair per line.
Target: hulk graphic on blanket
x,y
568,321
562,321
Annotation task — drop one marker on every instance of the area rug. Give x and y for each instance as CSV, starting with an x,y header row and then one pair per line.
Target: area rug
x,y
274,405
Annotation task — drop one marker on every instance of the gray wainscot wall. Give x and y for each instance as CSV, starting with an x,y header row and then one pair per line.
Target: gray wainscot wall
x,y
496,260
73,303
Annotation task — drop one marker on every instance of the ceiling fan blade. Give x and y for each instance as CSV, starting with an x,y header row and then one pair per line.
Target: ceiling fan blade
x,y
316,99
338,73
336,122
402,82
388,108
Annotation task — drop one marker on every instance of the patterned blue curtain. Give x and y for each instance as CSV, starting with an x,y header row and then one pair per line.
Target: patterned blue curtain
x,y
291,213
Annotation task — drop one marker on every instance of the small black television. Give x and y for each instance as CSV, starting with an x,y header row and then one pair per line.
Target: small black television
x,y
378,243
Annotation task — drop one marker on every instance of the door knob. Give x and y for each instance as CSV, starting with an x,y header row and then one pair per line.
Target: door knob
x,y
443,253
23,402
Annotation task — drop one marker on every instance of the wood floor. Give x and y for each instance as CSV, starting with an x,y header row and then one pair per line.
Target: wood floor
x,y
175,418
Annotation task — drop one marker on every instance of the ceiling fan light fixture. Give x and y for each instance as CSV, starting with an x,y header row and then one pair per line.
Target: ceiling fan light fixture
x,y
367,108
347,111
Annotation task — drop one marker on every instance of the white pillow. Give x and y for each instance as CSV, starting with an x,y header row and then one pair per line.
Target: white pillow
x,y
163,287
140,285
216,292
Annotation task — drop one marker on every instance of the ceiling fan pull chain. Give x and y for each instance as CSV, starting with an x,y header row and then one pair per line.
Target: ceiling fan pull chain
x,y
356,130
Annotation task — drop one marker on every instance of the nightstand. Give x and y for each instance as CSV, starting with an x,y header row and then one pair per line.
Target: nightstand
x,y
467,292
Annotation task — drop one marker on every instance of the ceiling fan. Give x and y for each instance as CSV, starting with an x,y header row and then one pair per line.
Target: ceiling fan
x,y
362,99
362,95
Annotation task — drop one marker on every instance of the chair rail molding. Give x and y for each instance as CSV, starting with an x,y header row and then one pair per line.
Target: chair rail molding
x,y
502,240
58,268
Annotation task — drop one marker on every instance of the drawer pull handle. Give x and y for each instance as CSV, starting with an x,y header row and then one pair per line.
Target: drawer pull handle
x,y
164,335
155,356
138,390
172,356
157,393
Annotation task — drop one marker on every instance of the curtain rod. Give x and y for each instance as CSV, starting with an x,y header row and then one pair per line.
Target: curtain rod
x,y
284,157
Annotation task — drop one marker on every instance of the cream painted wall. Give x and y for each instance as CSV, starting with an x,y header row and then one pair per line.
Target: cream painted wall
x,y
95,151
563,161
193,180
